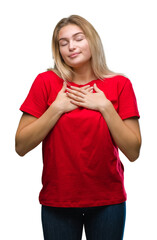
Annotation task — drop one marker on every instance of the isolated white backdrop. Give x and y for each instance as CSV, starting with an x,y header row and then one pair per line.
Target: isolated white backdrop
x,y
128,31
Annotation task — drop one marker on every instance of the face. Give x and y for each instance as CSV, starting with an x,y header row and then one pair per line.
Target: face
x,y
74,46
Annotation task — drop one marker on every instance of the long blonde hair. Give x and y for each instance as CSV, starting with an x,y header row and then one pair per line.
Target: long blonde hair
x,y
98,61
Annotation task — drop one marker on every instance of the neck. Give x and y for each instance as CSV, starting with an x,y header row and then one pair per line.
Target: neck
x,y
83,75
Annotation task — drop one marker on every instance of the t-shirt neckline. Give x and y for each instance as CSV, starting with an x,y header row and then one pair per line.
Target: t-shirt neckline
x,y
82,85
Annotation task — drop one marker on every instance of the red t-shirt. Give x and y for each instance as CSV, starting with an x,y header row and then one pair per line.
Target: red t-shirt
x,y
81,164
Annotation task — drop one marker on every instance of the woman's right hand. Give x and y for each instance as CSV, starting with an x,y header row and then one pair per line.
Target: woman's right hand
x,y
31,130
62,101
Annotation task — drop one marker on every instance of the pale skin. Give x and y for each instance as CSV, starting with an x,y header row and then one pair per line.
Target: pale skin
x,y
75,51
32,131
126,133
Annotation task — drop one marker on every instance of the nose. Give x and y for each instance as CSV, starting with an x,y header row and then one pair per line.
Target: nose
x,y
71,46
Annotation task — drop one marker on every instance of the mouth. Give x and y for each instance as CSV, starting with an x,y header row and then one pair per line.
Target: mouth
x,y
73,55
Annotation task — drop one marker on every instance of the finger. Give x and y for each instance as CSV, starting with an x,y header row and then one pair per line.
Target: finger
x,y
64,87
90,89
81,90
77,88
74,97
96,88
77,93
79,104
85,87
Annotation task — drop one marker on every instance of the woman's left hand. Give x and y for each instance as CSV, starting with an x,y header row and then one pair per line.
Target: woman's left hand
x,y
94,101
126,133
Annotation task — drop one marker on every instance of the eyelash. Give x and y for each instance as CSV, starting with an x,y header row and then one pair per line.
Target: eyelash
x,y
78,40
63,44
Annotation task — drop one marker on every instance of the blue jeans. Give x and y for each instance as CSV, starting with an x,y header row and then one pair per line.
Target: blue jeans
x,y
100,223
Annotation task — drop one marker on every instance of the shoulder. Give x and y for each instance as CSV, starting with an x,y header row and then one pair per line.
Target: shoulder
x,y
48,79
119,81
48,75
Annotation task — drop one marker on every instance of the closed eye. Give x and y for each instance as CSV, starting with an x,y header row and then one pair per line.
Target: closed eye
x,y
63,43
79,38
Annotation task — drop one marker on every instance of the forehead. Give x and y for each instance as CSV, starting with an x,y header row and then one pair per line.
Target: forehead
x,y
69,30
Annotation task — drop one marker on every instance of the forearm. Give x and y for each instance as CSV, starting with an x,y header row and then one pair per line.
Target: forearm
x,y
126,139
31,135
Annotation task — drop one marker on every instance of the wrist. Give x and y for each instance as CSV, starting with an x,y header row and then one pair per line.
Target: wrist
x,y
57,108
103,109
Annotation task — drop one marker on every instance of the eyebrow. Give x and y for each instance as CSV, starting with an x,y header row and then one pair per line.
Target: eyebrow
x,y
72,36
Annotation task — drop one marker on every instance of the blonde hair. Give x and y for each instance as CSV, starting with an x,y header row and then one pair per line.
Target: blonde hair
x,y
98,61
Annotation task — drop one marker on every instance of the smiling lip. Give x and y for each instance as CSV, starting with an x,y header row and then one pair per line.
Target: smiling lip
x,y
74,55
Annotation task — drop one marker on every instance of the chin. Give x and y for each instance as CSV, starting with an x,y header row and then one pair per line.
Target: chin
x,y
78,64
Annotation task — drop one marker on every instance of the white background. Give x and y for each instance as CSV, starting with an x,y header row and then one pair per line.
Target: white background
x,y
128,32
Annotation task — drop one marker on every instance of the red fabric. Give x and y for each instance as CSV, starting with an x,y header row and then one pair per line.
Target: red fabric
x,y
81,165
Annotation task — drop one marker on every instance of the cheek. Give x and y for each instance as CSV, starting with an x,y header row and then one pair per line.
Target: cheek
x,y
63,53
87,50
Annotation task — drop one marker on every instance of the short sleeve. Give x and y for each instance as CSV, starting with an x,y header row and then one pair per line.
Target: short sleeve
x,y
36,100
127,103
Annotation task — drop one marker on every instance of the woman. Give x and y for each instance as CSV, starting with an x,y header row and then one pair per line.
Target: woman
x,y
82,113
